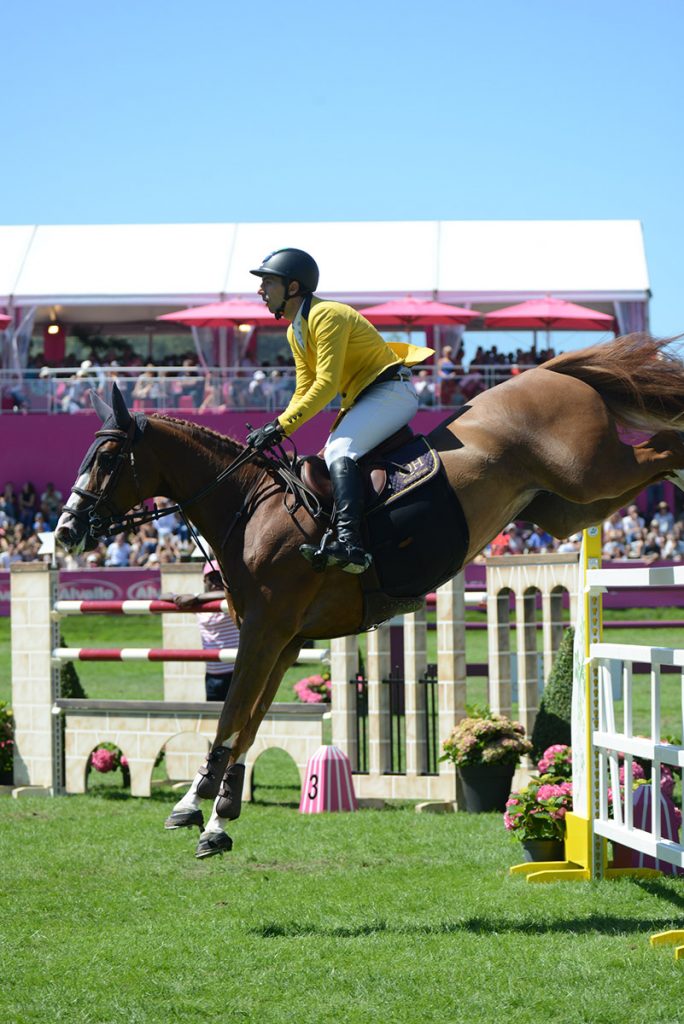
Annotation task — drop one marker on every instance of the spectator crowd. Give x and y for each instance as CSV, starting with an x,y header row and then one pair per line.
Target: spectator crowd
x,y
181,382
26,514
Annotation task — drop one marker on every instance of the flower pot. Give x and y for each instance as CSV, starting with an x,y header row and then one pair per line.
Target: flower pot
x,y
544,849
486,787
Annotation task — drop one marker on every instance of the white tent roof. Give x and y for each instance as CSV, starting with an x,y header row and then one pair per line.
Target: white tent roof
x,y
165,266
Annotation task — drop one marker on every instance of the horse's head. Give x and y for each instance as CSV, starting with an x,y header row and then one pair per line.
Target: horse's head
x,y
107,484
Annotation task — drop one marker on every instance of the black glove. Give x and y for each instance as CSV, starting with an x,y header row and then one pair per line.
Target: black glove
x,y
265,437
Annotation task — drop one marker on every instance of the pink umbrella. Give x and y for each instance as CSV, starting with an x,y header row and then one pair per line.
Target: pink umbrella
x,y
222,314
417,313
550,315
5,321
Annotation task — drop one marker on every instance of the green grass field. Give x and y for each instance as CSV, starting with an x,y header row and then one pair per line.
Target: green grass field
x,y
370,917
141,681
379,916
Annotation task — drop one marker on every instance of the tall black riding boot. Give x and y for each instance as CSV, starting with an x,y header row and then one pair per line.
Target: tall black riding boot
x,y
347,550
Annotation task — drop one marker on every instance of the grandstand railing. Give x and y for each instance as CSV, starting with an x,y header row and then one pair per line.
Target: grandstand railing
x,y
65,389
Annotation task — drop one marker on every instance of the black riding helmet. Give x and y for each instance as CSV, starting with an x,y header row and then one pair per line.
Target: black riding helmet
x,y
291,265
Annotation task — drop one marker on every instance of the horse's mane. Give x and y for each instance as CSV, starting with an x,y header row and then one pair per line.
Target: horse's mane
x,y
198,433
198,428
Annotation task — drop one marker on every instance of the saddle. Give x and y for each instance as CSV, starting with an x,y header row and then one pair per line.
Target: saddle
x,y
413,526
400,462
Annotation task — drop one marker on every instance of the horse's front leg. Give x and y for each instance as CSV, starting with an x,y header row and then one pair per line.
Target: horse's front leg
x,y
256,666
228,803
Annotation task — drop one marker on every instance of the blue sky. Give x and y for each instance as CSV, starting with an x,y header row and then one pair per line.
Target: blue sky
x,y
217,111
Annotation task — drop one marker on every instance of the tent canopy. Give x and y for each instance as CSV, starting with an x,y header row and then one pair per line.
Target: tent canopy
x,y
109,273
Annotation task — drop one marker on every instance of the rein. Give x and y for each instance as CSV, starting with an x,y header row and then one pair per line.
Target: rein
x,y
105,521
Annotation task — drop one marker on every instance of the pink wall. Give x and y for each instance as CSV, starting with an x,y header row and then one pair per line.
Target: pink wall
x,y
43,448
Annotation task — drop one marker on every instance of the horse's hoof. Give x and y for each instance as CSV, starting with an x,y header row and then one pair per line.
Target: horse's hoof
x,y
212,771
185,818
229,801
211,843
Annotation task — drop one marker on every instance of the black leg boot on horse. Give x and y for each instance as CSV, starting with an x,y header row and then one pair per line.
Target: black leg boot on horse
x,y
347,550
207,788
229,802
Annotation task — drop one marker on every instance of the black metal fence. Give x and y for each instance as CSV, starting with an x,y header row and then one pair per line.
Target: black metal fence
x,y
431,720
395,709
360,685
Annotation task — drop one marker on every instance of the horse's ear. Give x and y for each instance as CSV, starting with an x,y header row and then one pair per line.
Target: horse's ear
x,y
103,410
122,417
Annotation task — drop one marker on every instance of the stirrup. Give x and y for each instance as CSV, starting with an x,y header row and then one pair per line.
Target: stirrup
x,y
349,558
317,556
317,559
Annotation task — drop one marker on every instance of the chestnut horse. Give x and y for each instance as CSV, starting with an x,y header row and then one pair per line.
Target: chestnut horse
x,y
542,447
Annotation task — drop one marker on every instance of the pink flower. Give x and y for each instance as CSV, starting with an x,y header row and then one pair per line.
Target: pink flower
x,y
667,782
103,760
637,772
313,689
554,756
549,791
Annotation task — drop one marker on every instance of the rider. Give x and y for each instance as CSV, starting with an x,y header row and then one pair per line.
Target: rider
x,y
336,351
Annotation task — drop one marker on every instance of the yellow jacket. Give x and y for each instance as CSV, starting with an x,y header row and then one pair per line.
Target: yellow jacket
x,y
343,353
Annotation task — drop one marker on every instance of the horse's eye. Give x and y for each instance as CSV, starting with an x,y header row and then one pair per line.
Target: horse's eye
x,y
107,461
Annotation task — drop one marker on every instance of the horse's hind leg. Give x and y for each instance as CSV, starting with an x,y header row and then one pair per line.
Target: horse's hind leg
x,y
609,468
662,454
561,518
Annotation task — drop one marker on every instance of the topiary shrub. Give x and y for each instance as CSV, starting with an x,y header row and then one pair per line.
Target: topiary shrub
x,y
6,743
553,723
70,684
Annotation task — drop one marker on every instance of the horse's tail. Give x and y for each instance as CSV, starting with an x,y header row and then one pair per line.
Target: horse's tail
x,y
639,379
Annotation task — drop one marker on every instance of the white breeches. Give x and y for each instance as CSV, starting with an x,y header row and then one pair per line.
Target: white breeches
x,y
384,409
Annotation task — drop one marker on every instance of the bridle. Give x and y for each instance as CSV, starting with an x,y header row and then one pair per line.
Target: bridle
x,y
103,520
98,510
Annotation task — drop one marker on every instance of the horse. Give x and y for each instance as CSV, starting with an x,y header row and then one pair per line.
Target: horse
x,y
543,446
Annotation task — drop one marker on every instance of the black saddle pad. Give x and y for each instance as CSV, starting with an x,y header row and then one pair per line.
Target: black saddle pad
x,y
416,531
